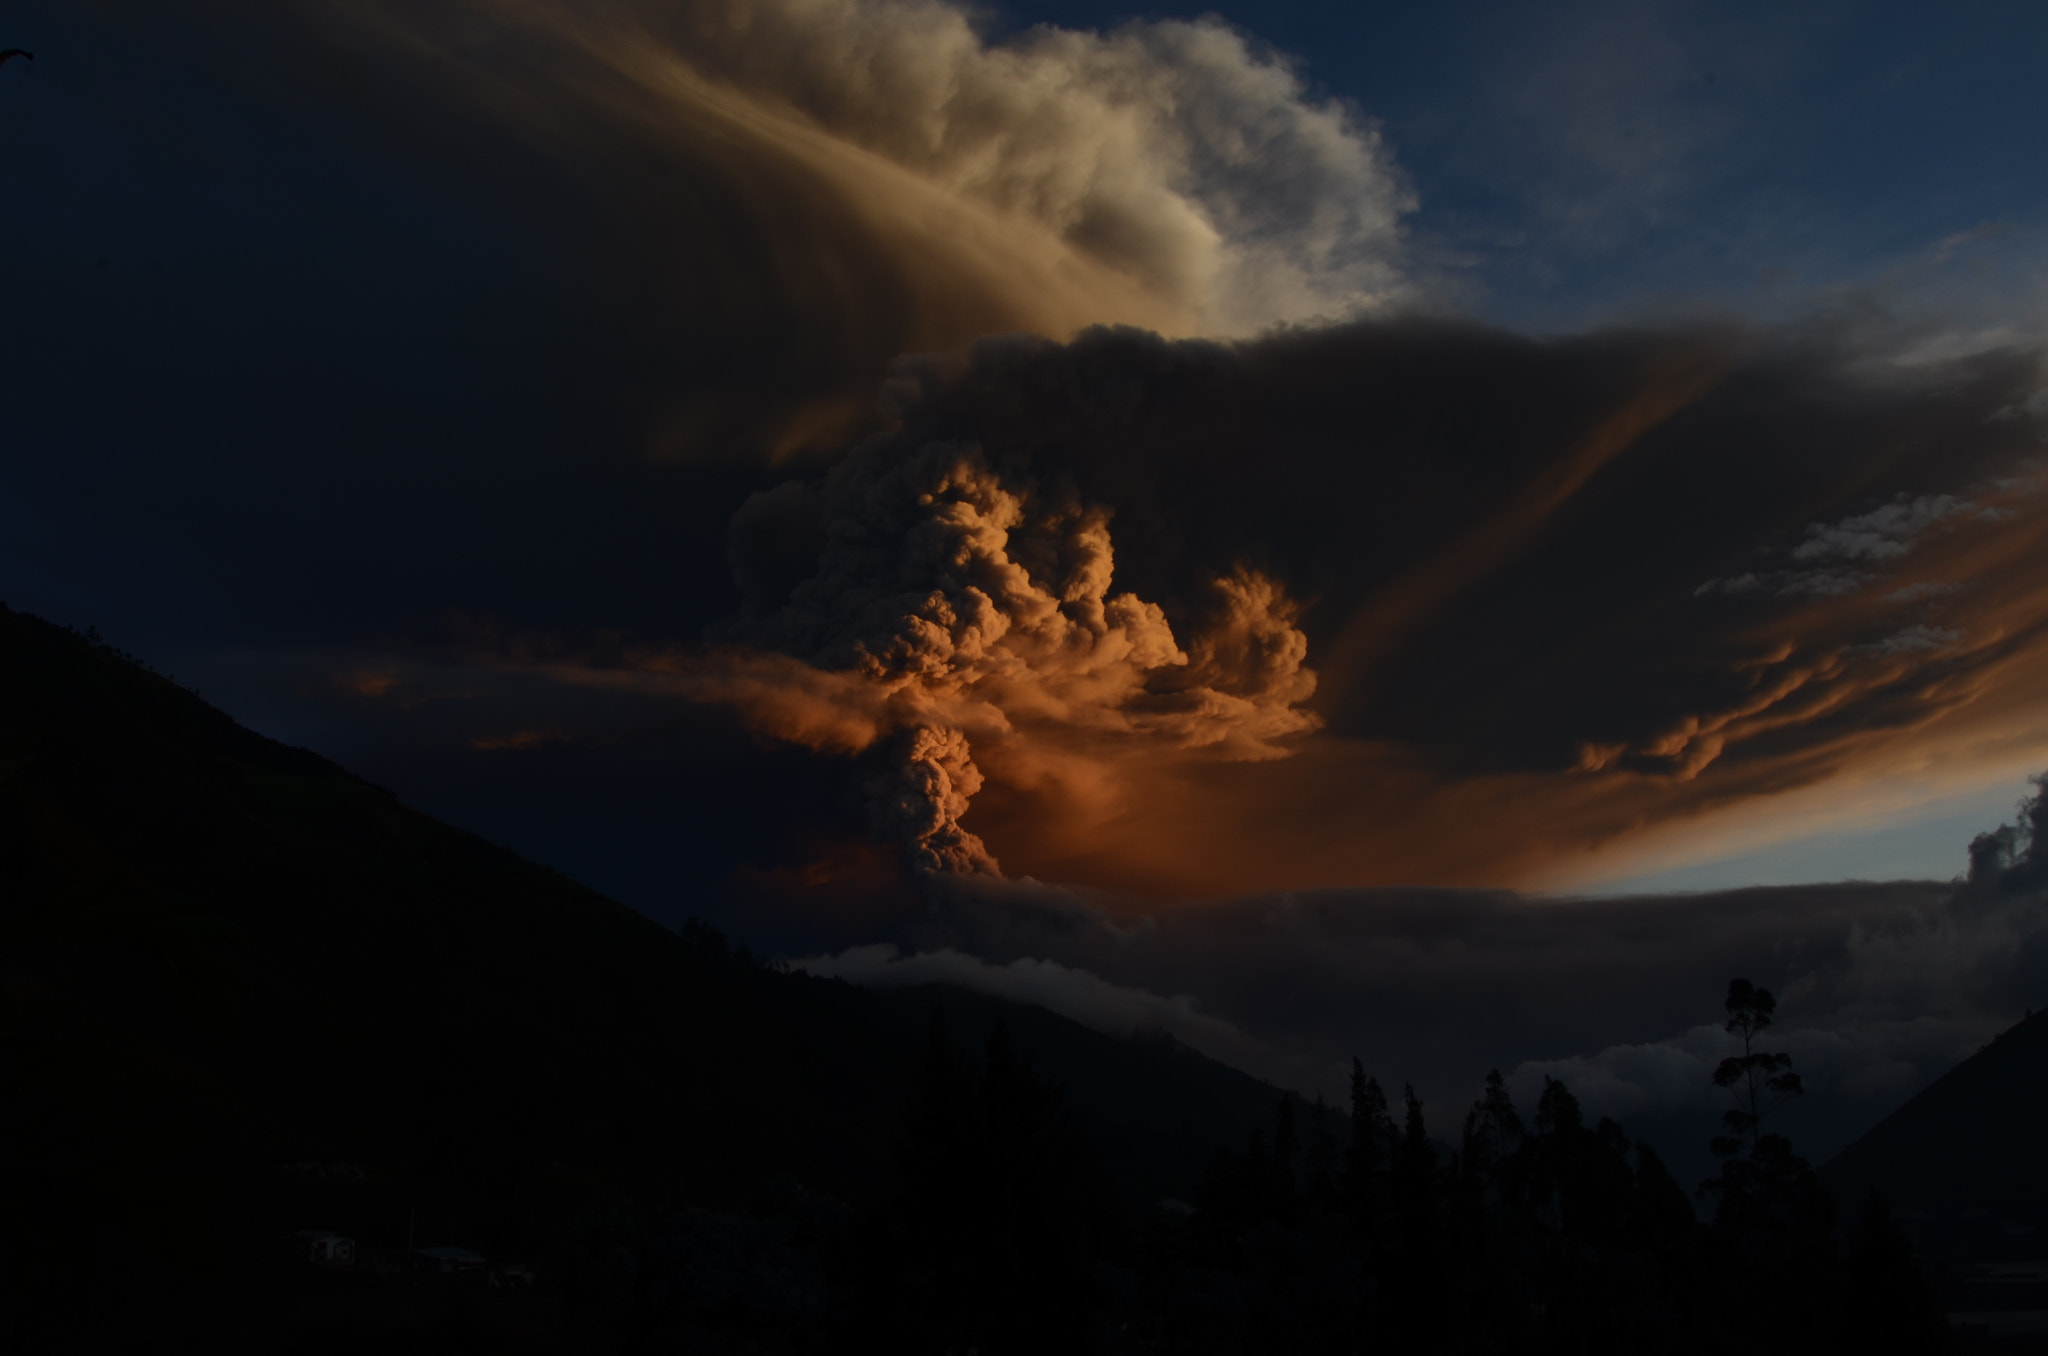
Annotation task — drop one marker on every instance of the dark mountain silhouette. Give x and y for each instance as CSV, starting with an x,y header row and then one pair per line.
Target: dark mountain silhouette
x,y
243,992
1973,1139
1962,1162
1961,1167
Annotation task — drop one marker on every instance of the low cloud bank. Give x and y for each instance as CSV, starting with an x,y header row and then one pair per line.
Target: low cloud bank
x,y
1881,987
1086,998
1906,994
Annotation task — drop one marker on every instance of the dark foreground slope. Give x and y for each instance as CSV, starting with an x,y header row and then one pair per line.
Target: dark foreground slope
x,y
1963,1165
1967,1154
242,991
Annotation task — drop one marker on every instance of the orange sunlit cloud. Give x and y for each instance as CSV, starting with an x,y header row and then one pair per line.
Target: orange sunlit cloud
x,y
963,638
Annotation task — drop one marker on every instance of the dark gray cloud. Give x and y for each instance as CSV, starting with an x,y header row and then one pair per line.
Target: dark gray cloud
x,y
1497,545
1381,603
952,604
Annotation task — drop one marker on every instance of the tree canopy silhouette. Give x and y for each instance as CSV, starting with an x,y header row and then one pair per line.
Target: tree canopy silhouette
x,y
1759,1081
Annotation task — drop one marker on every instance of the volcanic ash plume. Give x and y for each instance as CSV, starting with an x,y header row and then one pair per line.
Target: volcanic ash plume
x,y
920,799
956,606
1170,151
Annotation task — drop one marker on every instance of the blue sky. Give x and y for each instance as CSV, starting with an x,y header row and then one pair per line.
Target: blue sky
x,y
1579,162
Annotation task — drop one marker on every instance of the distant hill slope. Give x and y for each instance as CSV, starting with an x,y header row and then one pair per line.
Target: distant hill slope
x,y
219,955
1155,1110
1973,1139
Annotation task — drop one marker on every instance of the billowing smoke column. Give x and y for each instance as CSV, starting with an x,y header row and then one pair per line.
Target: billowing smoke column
x,y
919,803
955,604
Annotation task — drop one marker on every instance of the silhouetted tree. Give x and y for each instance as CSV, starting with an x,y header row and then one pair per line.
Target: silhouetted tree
x,y
1547,1236
1414,1178
1773,1221
1775,1224
1367,1163
1490,1249
1759,1081
1493,1131
1416,1299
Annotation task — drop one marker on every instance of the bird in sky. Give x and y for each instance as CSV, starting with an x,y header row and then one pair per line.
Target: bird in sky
x,y
16,52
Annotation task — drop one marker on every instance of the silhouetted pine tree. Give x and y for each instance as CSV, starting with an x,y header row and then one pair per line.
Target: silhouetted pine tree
x,y
1417,1301
1493,1133
1548,1237
1594,1269
1368,1194
1491,1253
